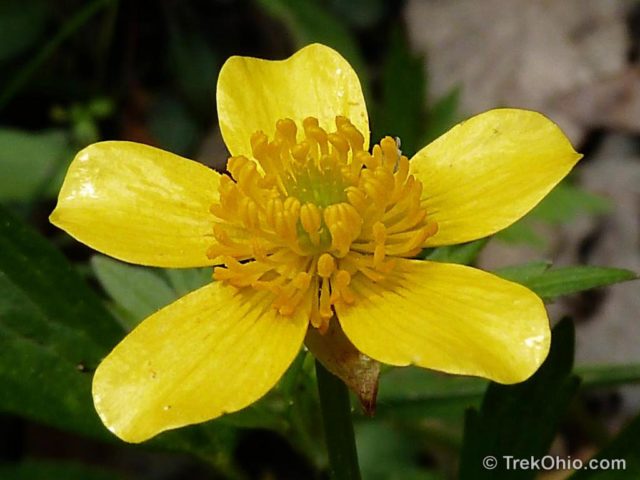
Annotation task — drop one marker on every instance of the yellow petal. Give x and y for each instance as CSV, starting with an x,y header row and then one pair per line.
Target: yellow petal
x,y
253,94
214,351
139,204
451,318
489,171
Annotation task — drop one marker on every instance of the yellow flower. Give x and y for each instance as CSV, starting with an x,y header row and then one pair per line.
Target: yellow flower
x,y
310,228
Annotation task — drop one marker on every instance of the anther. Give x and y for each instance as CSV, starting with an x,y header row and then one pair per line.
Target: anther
x,y
340,144
310,122
259,141
343,278
357,198
311,220
342,121
378,256
287,130
325,300
340,284
301,281
300,151
249,214
313,131
346,128
326,265
235,165
376,157
379,233
390,151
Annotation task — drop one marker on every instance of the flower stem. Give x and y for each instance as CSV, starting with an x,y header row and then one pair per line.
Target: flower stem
x,y
338,426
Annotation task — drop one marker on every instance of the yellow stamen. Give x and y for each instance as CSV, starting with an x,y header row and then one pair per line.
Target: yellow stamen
x,y
311,211
326,265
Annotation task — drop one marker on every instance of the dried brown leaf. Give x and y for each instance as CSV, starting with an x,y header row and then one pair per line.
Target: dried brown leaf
x,y
338,355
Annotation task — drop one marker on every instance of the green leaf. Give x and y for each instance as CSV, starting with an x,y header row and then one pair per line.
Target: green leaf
x,y
309,21
28,160
464,253
402,109
48,470
139,291
564,281
185,280
521,420
551,283
53,330
525,272
626,448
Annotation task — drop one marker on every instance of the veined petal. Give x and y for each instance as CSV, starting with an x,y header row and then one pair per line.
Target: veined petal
x,y
214,351
489,171
139,204
253,94
451,318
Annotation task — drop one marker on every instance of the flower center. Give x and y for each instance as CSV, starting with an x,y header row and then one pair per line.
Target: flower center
x,y
311,211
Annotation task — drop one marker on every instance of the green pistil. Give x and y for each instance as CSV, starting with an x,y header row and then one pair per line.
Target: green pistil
x,y
305,242
320,187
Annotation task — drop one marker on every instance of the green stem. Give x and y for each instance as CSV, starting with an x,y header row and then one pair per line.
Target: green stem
x,y
338,426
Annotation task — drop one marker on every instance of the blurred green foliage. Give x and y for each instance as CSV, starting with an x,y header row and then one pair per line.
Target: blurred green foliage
x,y
22,24
79,72
29,162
